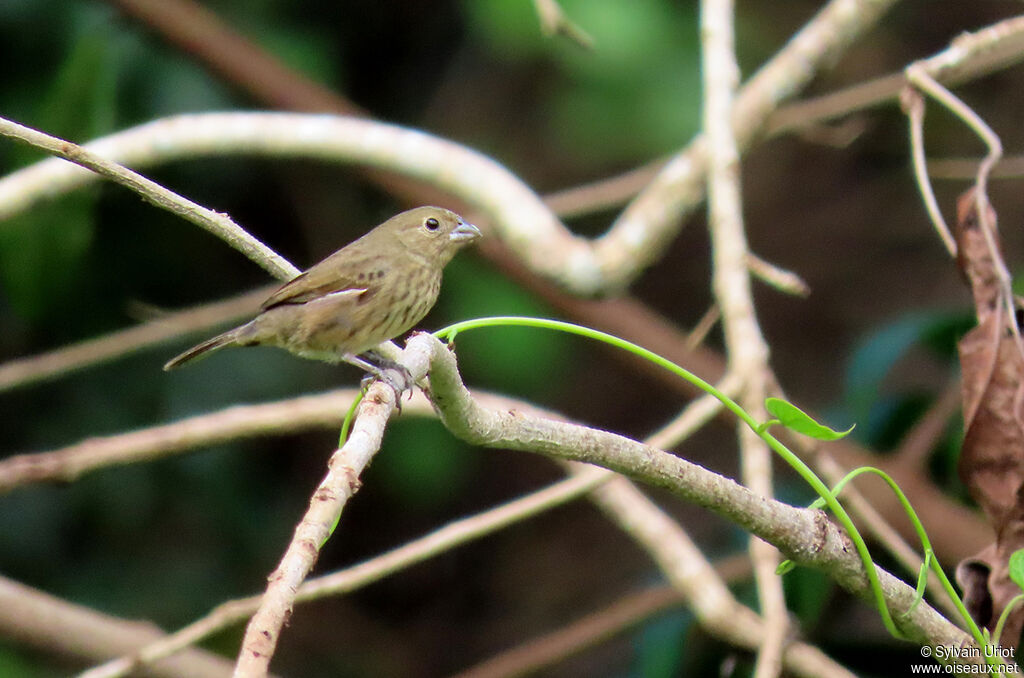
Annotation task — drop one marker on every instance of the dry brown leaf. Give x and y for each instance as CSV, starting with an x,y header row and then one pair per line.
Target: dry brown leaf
x,y
992,456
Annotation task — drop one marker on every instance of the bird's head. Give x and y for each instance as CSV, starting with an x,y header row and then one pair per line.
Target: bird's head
x,y
432,232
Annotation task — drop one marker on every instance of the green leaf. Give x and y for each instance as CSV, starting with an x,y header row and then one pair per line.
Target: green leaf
x,y
1017,567
793,418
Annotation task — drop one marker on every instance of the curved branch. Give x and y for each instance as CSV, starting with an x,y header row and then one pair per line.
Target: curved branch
x,y
805,536
666,541
634,241
497,425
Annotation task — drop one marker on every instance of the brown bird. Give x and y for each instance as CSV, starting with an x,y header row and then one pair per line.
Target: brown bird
x,y
368,292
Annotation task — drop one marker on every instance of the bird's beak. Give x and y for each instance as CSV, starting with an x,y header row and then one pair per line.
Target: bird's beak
x,y
465,232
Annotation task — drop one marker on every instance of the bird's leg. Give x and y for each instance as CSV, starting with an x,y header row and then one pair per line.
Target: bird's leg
x,y
395,375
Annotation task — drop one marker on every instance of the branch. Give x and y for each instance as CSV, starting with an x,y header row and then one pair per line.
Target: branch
x,y
352,578
553,21
668,544
170,326
42,621
651,220
324,410
805,536
241,421
551,648
217,223
956,531
745,345
643,462
587,267
326,505
703,589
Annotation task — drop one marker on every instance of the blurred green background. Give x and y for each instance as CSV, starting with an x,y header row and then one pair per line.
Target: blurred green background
x,y
168,540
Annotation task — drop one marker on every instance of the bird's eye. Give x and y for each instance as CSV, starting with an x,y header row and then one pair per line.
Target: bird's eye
x,y
432,224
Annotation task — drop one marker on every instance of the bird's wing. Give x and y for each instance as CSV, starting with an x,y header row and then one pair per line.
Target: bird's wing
x,y
317,282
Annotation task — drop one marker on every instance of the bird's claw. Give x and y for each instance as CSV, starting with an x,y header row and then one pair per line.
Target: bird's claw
x,y
395,375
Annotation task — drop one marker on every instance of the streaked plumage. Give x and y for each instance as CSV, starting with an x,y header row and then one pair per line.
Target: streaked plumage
x,y
368,292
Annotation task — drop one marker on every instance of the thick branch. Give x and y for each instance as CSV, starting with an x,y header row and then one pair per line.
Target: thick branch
x,y
803,535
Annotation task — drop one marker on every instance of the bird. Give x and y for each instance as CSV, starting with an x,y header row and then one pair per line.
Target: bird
x,y
368,292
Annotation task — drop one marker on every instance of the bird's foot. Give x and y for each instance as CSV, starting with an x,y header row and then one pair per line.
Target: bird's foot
x,y
394,374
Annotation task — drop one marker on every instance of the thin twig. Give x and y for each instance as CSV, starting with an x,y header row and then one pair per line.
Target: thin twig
x,y
774,276
1010,167
919,76
551,648
625,613
553,21
700,331
240,421
67,359
602,194
217,223
919,441
913,107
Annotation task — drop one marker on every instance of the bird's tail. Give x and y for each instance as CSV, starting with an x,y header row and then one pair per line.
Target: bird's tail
x,y
229,338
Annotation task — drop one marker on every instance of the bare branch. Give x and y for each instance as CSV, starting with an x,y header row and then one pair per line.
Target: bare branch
x,y
651,220
328,501
628,611
704,590
746,347
803,535
42,621
217,223
525,223
779,278
62,361
240,421
367,572
1010,167
625,504
913,106
924,76
549,649
553,21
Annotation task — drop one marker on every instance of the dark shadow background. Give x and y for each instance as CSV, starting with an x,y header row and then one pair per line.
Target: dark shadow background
x,y
168,540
